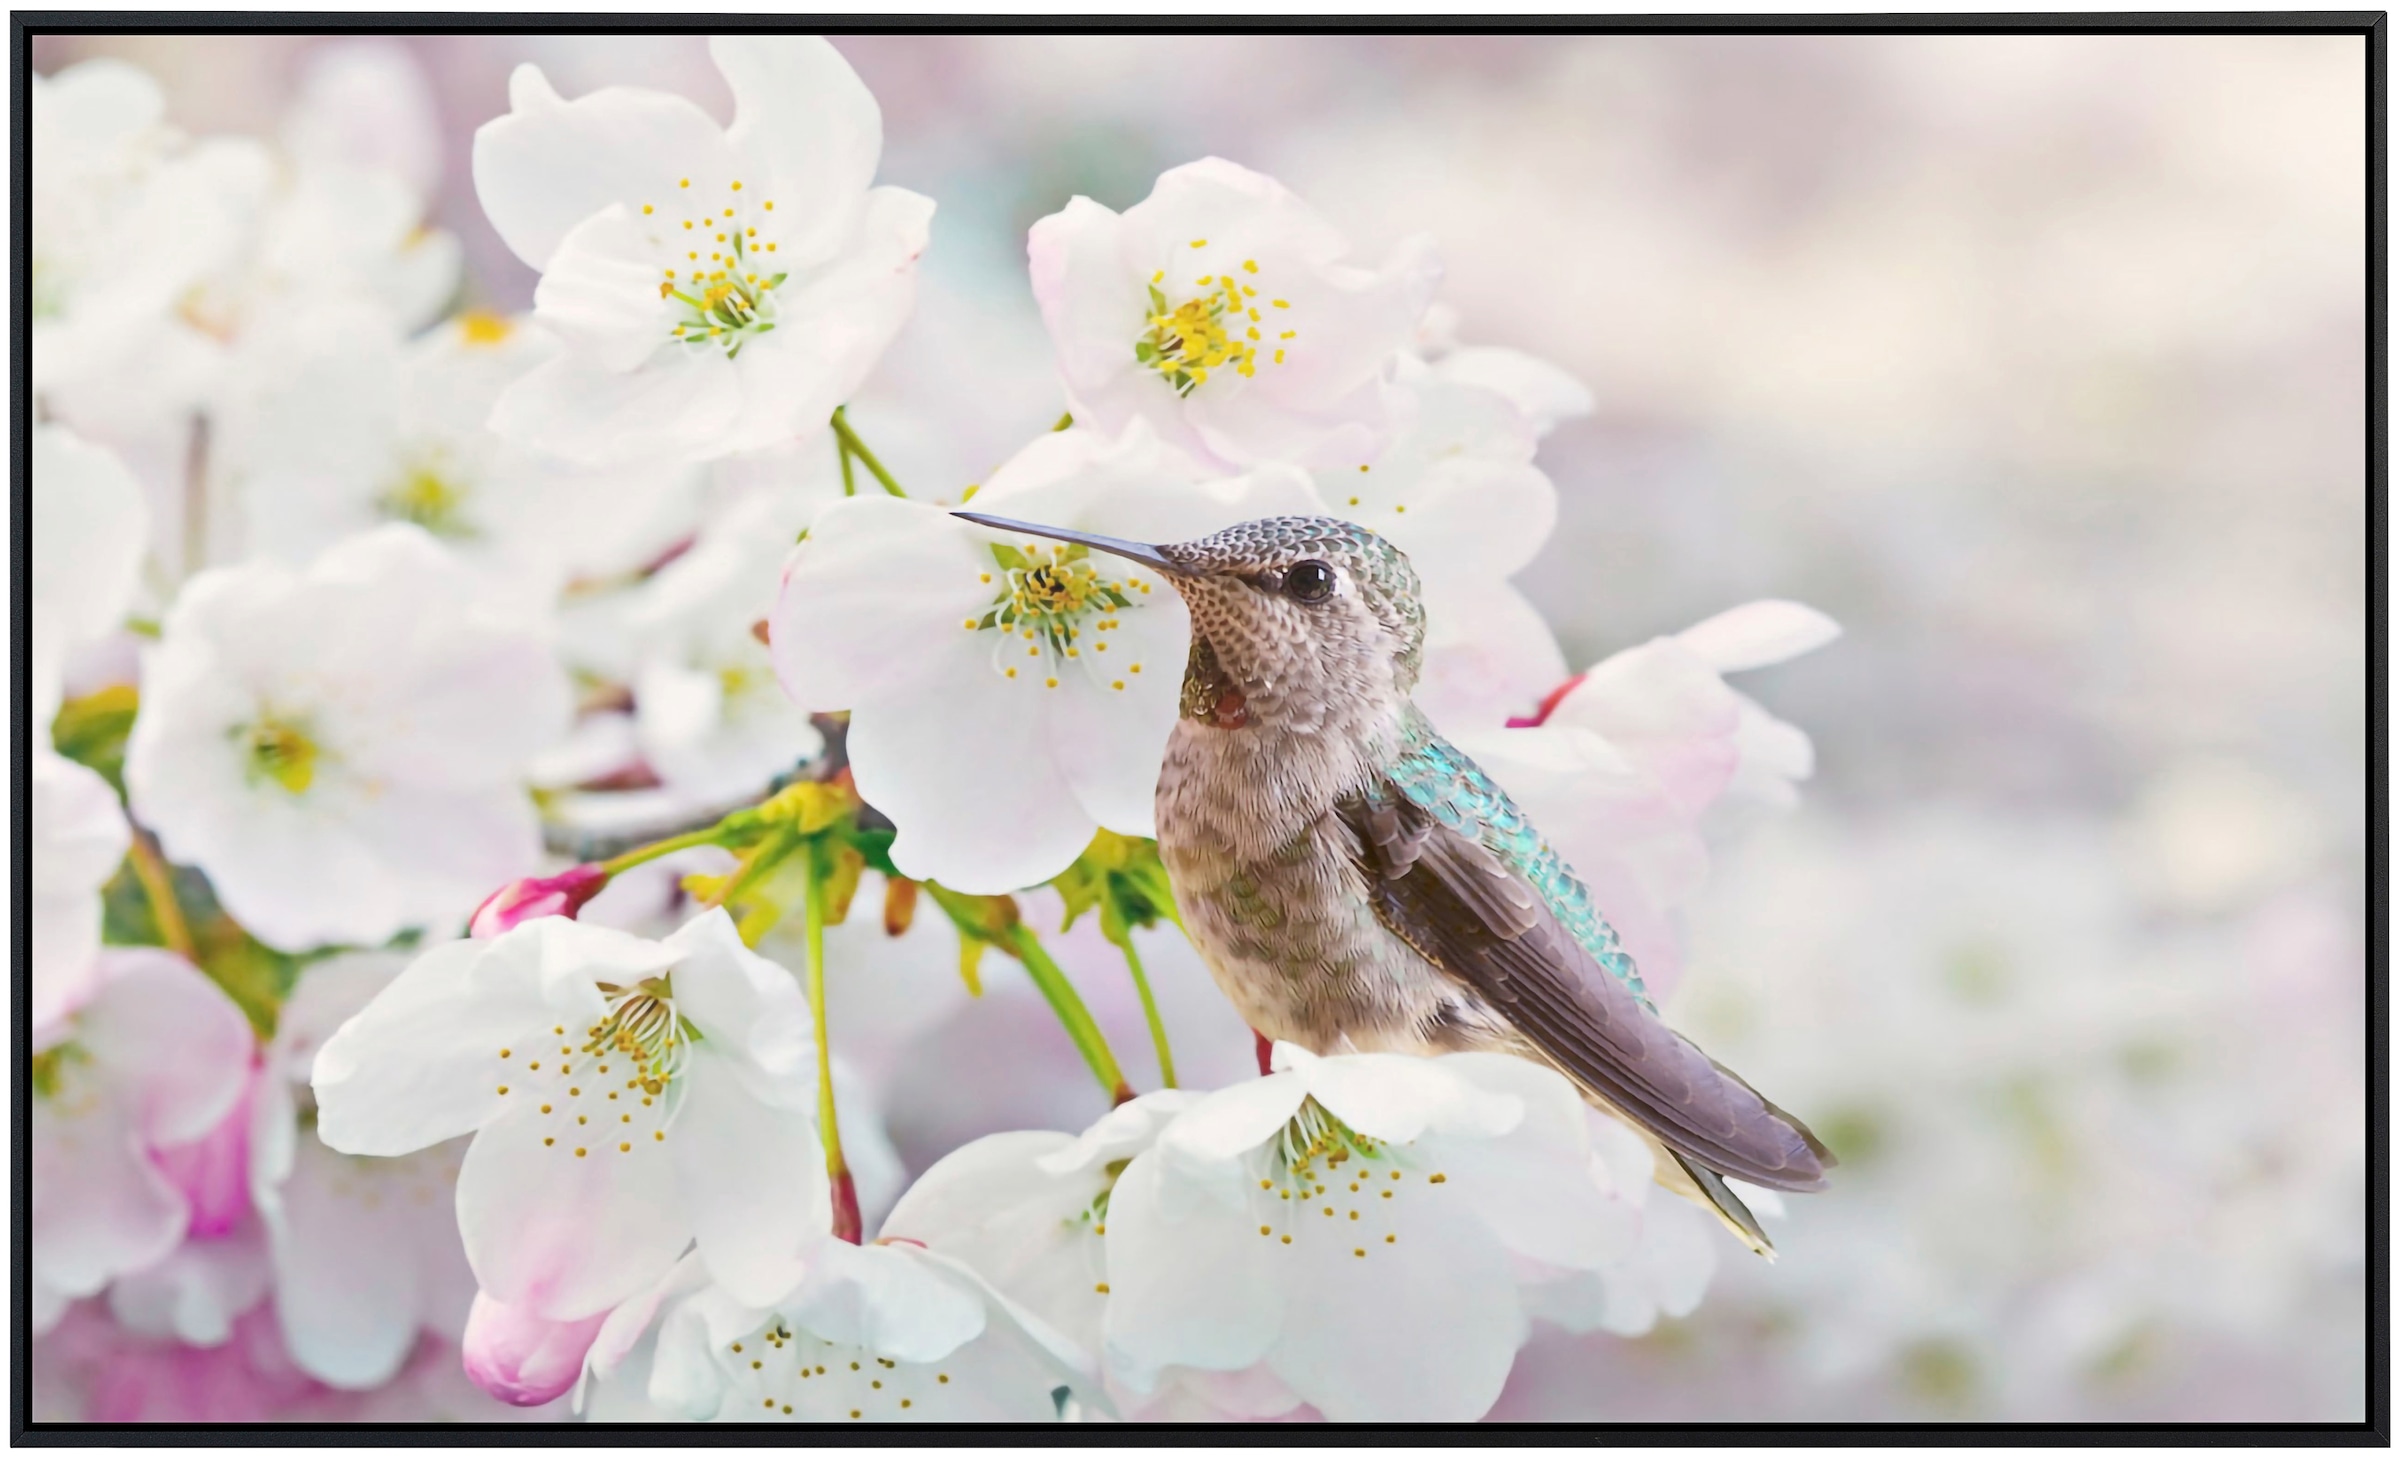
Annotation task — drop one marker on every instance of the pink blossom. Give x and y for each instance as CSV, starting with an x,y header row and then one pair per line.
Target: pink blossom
x,y
213,1171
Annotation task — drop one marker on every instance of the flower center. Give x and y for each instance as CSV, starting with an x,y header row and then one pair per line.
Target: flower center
x,y
1049,600
780,1373
1220,327
717,251
280,750
428,496
618,1090
1324,1181
51,1065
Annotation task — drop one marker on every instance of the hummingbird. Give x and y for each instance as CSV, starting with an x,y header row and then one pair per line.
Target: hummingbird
x,y
1355,882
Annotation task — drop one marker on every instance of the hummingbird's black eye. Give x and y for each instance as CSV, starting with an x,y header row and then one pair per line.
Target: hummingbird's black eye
x,y
1309,581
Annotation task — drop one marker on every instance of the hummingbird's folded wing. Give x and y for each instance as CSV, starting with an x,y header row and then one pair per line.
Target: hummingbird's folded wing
x,y
1464,909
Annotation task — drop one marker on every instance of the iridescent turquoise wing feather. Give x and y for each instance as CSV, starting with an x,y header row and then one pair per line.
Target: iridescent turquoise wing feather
x,y
1439,778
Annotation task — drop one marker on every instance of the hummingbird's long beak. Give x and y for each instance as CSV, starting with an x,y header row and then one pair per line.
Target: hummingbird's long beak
x,y
1141,552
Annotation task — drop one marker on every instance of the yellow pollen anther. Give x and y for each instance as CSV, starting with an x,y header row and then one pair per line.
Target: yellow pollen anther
x,y
1249,265
687,223
1437,1179
1119,684
1287,1240
1199,242
504,1088
737,187
579,1153
1391,1240
1102,1288
1050,683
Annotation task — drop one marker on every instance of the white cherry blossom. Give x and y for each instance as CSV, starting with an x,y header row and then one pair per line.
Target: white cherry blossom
x,y
358,427
1007,698
365,1252
154,1060
1664,705
627,1098
879,1333
1226,313
1360,1226
79,838
126,219
340,749
1457,489
1029,1210
1627,765
94,527
709,716
718,289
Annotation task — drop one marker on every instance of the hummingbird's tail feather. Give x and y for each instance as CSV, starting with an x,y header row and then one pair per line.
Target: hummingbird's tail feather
x,y
1728,1206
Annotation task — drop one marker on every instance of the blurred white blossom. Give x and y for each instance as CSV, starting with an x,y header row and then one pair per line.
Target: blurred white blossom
x,y
340,748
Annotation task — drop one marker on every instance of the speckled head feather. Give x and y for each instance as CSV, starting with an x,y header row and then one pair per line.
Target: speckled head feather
x,y
1263,634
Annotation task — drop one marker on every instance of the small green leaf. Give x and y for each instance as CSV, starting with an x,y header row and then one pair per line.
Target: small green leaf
x,y
1010,558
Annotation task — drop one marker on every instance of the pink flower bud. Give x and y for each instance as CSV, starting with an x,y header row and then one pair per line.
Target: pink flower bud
x,y
521,1358
536,896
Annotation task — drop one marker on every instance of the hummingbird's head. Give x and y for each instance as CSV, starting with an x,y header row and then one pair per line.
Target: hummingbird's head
x,y
1296,620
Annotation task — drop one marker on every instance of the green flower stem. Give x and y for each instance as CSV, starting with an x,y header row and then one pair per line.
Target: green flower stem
x,y
846,1222
640,854
1020,942
849,476
159,887
1158,1029
766,857
853,446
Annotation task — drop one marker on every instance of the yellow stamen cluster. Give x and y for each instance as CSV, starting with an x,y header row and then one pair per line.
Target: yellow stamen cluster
x,y
727,297
1049,598
281,751
1222,327
848,1380
1351,1180
641,1040
431,493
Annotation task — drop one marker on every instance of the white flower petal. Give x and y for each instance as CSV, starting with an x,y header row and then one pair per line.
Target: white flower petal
x,y
753,1178
420,1063
804,120
1757,634
887,1301
1422,1330
678,406
1186,1287
551,163
564,1234
347,1280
